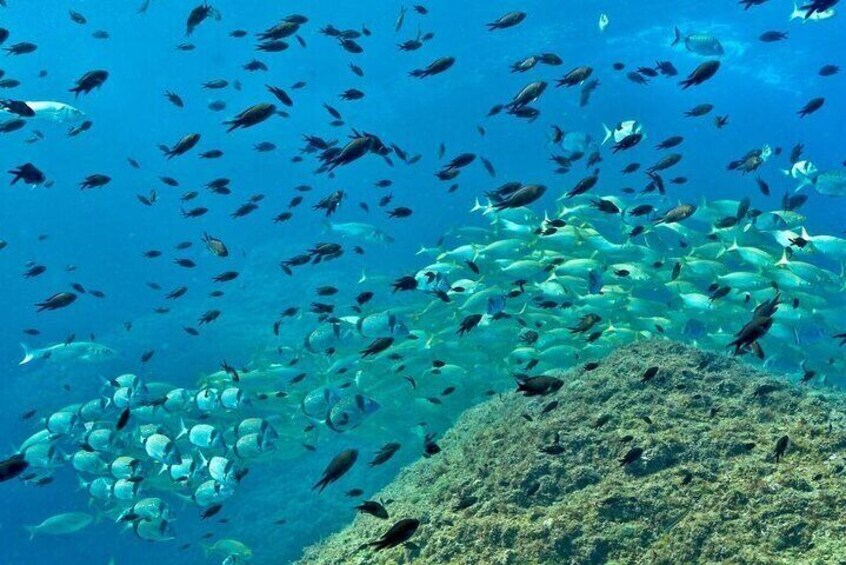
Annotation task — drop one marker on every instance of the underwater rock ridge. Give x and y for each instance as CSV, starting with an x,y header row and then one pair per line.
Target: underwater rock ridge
x,y
707,460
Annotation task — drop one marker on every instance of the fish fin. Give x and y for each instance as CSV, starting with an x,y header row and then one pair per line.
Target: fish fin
x,y
83,484
608,134
363,278
784,261
734,246
804,234
32,531
28,356
676,38
183,431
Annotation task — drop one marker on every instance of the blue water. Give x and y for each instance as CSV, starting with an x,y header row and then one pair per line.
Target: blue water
x,y
104,232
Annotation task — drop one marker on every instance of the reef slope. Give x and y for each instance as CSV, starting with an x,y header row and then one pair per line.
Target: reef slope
x,y
707,488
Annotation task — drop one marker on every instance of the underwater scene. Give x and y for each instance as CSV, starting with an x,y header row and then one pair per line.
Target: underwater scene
x,y
374,282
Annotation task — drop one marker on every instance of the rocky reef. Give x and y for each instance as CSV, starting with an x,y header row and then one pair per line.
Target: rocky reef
x,y
559,478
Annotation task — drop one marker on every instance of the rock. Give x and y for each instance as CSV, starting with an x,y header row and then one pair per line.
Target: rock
x,y
706,489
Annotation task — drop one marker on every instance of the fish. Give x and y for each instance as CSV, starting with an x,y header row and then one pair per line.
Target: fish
x,y
385,453
62,524
48,110
13,466
337,468
699,43
373,508
399,533
539,386
84,351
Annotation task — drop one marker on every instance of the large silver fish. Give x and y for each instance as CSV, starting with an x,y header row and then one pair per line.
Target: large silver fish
x,y
699,43
831,183
74,351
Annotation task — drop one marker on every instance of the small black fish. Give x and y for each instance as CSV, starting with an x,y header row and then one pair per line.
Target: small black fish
x,y
373,508
539,386
12,467
781,447
210,511
123,419
631,456
398,534
337,468
649,374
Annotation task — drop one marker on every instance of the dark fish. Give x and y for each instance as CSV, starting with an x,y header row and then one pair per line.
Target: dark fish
x,y
670,142
252,116
174,99
751,333
510,19
666,68
22,48
524,196
781,447
468,323
772,36
398,534
280,95
829,70
700,110
12,467
373,508
377,346
649,374
57,301
29,174
665,163
89,81
182,146
811,107
17,107
95,181
539,386
337,468
434,68
701,74
576,76
123,419
198,15
631,456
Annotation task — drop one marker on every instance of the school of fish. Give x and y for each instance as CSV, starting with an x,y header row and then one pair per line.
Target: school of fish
x,y
555,277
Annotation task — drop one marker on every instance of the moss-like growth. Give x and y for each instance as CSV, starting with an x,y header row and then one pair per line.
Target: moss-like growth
x,y
707,488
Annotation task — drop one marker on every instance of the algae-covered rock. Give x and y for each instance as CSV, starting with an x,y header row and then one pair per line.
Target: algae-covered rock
x,y
523,481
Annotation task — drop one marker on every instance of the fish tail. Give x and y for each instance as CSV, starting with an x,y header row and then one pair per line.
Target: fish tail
x,y
32,531
676,38
28,356
183,431
803,233
608,134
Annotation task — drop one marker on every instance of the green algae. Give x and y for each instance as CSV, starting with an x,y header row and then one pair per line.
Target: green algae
x,y
706,490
